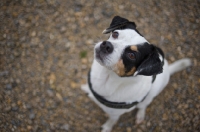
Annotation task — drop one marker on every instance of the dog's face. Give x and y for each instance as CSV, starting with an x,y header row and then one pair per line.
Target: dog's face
x,y
128,53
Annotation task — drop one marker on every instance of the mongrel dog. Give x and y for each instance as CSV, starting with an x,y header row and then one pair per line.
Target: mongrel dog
x,y
127,72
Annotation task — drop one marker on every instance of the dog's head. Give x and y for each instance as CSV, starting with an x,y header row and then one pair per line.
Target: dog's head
x,y
127,52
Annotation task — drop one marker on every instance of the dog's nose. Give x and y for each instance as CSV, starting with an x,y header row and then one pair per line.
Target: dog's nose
x,y
106,47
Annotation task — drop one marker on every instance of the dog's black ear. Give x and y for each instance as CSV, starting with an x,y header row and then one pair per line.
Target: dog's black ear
x,y
119,23
153,64
117,20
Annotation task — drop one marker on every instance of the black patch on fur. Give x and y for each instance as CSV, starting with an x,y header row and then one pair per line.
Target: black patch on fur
x,y
147,60
120,23
151,64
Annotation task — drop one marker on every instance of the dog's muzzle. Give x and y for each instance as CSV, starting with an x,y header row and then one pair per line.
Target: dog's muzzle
x,y
103,51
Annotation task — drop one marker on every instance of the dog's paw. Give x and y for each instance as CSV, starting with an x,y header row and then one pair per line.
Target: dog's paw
x,y
140,116
139,121
105,128
85,88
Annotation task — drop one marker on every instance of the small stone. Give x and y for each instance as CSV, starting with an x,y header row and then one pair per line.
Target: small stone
x,y
29,127
175,85
7,109
18,81
84,60
199,80
83,66
33,34
52,78
16,53
32,116
19,103
128,129
14,108
73,84
89,42
164,117
28,106
172,59
4,35
142,126
148,123
121,7
59,96
51,36
50,93
3,73
185,106
160,124
52,125
195,62
63,28
139,130
8,87
65,127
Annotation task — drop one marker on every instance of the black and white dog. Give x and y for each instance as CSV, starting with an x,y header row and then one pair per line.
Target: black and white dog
x,y
127,72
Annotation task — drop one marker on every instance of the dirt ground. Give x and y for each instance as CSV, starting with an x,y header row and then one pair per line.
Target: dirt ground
x,y
46,50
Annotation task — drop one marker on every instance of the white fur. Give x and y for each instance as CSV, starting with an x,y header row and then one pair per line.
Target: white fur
x,y
108,84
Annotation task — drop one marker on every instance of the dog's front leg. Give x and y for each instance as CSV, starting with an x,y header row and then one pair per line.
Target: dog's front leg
x,y
85,88
140,115
142,108
108,125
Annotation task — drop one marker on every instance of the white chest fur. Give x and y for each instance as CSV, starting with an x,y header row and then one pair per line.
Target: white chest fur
x,y
119,89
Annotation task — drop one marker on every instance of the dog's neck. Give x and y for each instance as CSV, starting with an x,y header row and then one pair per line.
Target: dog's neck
x,y
109,85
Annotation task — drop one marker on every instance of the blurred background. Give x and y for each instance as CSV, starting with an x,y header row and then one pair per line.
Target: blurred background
x,y
46,50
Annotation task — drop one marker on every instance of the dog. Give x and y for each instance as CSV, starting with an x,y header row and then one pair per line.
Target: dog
x,y
127,72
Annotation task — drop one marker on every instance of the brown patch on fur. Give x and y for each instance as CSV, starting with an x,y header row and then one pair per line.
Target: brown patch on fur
x,y
134,48
131,72
120,69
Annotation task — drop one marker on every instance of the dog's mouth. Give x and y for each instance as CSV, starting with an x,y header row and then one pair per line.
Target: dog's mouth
x,y
99,56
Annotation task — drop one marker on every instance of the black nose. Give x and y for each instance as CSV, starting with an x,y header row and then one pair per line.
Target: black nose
x,y
106,47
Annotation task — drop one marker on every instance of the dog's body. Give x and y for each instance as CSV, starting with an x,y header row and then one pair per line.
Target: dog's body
x,y
127,68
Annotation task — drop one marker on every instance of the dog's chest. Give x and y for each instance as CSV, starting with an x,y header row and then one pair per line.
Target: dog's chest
x,y
119,89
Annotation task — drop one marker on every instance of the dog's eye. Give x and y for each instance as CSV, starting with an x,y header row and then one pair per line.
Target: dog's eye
x,y
131,56
115,35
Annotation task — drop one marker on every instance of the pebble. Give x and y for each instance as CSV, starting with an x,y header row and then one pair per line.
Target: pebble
x,y
15,108
59,96
128,129
148,123
84,60
139,130
89,42
3,73
32,116
73,84
63,29
52,78
33,34
7,109
28,106
8,87
164,117
50,93
65,127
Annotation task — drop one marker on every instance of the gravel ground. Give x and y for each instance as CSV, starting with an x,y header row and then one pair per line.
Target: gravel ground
x,y
46,49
